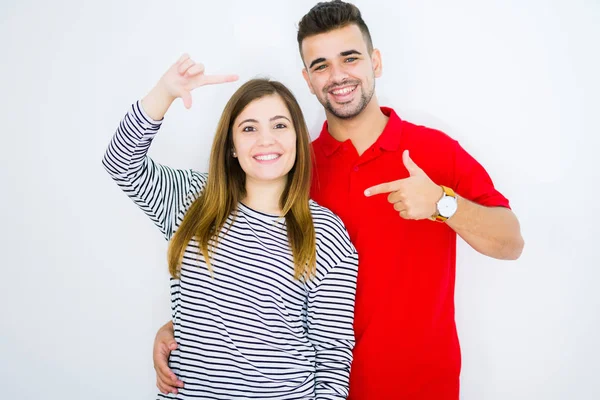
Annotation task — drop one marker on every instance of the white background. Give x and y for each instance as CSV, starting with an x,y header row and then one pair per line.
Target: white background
x,y
84,283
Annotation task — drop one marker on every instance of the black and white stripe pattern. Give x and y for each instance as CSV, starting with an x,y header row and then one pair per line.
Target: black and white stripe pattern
x,y
252,331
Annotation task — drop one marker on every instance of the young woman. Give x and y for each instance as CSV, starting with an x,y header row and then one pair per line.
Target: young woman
x,y
263,279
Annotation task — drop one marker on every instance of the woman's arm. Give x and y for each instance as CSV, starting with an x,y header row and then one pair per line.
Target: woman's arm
x,y
330,316
161,192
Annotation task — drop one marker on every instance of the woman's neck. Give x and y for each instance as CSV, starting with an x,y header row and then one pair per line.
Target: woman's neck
x,y
264,196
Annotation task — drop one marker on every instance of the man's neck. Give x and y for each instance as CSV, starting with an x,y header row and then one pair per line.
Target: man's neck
x,y
363,129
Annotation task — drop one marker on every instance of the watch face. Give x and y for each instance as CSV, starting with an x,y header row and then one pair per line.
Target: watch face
x,y
447,206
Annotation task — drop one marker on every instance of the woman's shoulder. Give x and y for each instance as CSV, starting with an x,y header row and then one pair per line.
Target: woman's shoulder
x,y
330,231
197,183
324,218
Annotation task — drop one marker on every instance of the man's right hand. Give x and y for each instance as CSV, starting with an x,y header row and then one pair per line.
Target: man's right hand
x,y
164,343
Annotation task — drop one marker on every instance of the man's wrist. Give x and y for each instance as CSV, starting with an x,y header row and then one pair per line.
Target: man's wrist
x,y
446,206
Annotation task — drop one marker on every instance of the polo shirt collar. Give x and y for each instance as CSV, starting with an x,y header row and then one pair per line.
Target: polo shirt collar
x,y
388,140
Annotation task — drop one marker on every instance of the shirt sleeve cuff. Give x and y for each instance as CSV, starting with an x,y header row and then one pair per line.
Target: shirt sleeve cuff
x,y
143,116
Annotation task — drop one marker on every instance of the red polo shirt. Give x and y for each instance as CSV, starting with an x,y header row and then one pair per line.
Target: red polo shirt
x,y
406,341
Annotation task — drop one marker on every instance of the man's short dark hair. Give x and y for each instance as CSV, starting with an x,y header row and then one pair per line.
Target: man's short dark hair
x,y
329,15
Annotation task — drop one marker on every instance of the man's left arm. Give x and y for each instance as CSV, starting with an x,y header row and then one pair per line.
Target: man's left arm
x,y
491,230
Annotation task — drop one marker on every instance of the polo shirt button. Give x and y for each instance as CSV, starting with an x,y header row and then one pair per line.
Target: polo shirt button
x,y
356,168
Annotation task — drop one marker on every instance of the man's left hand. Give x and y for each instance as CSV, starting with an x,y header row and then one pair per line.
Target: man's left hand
x,y
414,197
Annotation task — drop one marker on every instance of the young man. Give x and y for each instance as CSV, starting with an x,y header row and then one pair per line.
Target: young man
x,y
404,192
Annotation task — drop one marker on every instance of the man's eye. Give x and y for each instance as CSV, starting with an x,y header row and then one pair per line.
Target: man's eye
x,y
351,59
320,67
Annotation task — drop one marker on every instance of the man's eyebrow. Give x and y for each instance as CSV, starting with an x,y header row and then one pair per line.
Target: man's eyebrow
x,y
318,60
343,54
349,52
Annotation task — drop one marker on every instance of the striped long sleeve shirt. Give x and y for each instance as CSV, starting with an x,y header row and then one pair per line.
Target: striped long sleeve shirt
x,y
252,331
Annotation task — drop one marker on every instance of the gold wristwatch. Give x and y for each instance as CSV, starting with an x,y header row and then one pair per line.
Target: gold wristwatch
x,y
446,206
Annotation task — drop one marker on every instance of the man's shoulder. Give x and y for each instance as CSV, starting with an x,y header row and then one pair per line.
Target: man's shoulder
x,y
317,142
411,133
424,134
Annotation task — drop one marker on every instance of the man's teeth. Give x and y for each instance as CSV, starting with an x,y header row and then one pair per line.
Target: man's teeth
x,y
267,157
343,91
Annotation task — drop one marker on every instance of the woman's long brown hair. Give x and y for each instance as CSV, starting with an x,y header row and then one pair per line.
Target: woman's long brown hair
x,y
226,187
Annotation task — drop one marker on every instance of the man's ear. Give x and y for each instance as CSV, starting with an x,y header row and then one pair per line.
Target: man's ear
x,y
307,79
377,64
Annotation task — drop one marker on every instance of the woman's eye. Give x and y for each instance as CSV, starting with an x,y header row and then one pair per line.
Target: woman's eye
x,y
248,129
280,126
